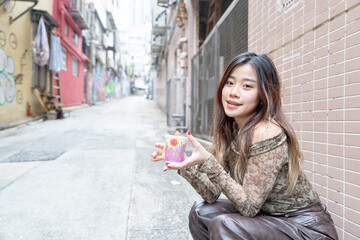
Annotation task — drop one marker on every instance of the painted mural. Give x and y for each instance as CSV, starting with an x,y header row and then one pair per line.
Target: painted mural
x,y
7,80
99,83
106,84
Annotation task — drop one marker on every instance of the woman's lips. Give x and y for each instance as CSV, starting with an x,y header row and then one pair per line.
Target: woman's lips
x,y
233,103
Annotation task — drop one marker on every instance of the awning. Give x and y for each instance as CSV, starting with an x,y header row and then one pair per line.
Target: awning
x,y
49,20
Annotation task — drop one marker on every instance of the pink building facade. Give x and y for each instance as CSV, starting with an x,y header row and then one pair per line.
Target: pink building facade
x,y
73,78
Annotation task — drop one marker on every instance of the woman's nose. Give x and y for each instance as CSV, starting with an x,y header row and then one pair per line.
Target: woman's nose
x,y
235,91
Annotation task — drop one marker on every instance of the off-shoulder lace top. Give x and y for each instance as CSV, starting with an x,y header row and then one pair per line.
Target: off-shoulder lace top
x,y
264,182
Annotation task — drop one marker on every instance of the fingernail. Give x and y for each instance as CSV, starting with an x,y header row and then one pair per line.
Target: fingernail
x,y
188,133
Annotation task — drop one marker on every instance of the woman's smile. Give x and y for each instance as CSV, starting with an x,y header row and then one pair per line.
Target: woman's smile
x,y
233,104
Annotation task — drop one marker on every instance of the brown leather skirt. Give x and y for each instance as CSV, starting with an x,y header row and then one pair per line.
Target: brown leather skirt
x,y
221,220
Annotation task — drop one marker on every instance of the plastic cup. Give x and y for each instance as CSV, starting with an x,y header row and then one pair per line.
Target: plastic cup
x,y
175,148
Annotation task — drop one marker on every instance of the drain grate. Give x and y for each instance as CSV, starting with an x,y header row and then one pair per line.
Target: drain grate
x,y
34,155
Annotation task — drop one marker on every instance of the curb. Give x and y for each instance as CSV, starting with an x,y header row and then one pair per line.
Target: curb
x,y
19,122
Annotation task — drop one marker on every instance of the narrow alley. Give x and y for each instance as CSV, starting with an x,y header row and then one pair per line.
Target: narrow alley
x,y
89,176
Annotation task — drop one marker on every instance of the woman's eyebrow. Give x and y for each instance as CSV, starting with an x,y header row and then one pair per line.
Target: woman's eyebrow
x,y
250,80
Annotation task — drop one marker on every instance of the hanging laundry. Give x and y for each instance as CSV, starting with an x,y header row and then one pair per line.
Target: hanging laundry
x,y
55,55
41,45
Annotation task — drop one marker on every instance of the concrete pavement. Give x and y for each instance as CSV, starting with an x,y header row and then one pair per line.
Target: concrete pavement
x,y
89,176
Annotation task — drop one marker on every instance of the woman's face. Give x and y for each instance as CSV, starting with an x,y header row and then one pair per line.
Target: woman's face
x,y
240,94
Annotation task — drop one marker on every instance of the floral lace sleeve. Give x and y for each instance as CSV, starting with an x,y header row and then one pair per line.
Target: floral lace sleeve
x,y
201,183
265,162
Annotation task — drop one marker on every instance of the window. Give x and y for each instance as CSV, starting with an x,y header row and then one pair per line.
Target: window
x,y
75,67
75,38
66,28
63,59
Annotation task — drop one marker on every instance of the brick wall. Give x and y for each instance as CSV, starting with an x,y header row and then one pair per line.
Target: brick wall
x,y
315,45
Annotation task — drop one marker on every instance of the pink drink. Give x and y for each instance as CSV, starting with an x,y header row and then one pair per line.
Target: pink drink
x,y
175,148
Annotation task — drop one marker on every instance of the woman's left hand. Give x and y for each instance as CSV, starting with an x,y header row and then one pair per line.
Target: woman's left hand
x,y
198,156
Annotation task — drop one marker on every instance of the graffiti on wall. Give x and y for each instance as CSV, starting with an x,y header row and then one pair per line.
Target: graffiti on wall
x,y
7,80
99,84
110,84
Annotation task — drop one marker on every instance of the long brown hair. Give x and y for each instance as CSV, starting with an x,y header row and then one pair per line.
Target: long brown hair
x,y
224,127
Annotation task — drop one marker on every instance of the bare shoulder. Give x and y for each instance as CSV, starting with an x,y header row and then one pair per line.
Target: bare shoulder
x,y
265,130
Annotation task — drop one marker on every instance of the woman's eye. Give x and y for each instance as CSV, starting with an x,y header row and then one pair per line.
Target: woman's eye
x,y
247,86
229,83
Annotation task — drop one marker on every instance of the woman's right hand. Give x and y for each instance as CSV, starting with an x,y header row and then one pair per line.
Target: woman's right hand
x,y
160,154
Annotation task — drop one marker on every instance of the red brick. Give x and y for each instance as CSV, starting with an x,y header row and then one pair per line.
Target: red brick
x,y
320,116
352,127
336,173
336,115
352,203
309,39
336,69
352,65
321,42
307,116
352,177
352,229
337,103
296,116
335,138
321,84
307,163
320,74
321,31
335,208
320,105
321,52
351,3
352,28
352,77
336,150
338,221
352,40
347,236
335,196
336,92
352,216
320,179
334,10
306,136
336,185
352,102
337,80
307,126
320,137
336,58
336,127
307,146
353,52
337,23
321,190
296,99
353,14
321,63
352,115
353,190
336,161
352,140
320,148
306,96
353,165
319,127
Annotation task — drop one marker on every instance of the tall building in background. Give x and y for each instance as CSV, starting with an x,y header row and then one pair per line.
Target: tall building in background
x,y
134,39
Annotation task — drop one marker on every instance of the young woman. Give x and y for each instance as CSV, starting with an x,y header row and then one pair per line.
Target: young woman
x,y
254,161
